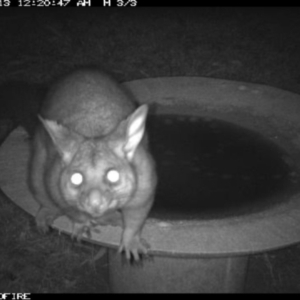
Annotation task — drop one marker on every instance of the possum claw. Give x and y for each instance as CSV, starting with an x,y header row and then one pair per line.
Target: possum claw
x,y
135,248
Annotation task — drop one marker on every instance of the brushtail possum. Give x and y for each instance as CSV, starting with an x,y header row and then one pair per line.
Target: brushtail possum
x,y
90,160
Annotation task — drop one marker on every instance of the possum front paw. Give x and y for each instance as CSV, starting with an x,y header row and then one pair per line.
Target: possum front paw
x,y
80,230
134,247
45,217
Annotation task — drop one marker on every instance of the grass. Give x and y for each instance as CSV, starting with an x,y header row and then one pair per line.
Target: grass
x,y
36,263
259,45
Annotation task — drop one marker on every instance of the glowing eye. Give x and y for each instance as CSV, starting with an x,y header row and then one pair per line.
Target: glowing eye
x,y
76,179
113,176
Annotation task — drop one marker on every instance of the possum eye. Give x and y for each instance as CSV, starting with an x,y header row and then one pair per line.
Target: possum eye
x,y
113,176
76,178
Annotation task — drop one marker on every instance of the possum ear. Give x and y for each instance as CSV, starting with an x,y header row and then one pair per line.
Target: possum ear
x,y
65,141
135,129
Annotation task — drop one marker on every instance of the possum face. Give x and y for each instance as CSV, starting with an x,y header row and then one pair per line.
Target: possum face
x,y
97,179
98,174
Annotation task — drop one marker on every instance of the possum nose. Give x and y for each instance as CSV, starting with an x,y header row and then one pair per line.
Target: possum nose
x,y
95,199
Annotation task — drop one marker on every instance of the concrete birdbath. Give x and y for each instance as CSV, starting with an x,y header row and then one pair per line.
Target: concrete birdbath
x,y
228,157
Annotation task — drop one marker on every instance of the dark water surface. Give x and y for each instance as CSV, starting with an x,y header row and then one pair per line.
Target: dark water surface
x,y
209,168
